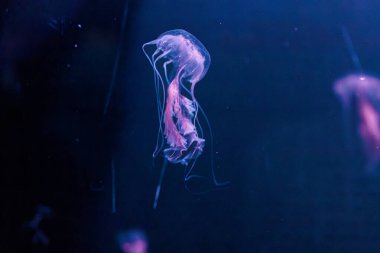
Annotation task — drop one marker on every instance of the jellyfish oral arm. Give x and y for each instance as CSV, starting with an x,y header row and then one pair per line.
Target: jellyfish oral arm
x,y
173,136
369,129
180,132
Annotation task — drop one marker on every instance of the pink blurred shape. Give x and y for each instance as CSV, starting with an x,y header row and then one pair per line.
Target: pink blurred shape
x,y
364,92
140,246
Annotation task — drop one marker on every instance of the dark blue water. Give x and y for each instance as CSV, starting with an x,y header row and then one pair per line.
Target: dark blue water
x,y
67,114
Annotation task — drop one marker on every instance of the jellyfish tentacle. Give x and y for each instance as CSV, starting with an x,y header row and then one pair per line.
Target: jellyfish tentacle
x,y
196,104
146,54
189,176
166,73
160,82
189,169
199,126
195,107
160,134
216,182
160,103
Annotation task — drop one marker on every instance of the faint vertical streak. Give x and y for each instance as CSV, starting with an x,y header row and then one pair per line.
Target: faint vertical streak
x,y
117,58
349,172
351,49
158,189
113,186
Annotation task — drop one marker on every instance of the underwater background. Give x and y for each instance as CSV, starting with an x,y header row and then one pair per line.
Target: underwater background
x,y
79,125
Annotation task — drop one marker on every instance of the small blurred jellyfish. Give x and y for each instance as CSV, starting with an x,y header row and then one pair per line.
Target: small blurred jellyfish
x,y
133,241
34,225
363,93
179,62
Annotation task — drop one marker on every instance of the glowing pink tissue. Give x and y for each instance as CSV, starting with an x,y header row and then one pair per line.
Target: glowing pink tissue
x,y
179,62
364,92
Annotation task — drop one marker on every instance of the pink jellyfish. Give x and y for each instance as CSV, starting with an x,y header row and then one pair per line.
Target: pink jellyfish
x,y
179,62
364,92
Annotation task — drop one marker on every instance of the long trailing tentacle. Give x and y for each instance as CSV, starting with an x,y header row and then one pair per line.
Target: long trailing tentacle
x,y
196,104
160,134
216,182
160,105
159,85
161,119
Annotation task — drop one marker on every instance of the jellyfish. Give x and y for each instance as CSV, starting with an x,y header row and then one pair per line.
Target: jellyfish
x,y
179,62
363,92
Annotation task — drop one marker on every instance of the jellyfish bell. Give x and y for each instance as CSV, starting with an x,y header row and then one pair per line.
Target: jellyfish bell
x,y
187,55
358,87
353,89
